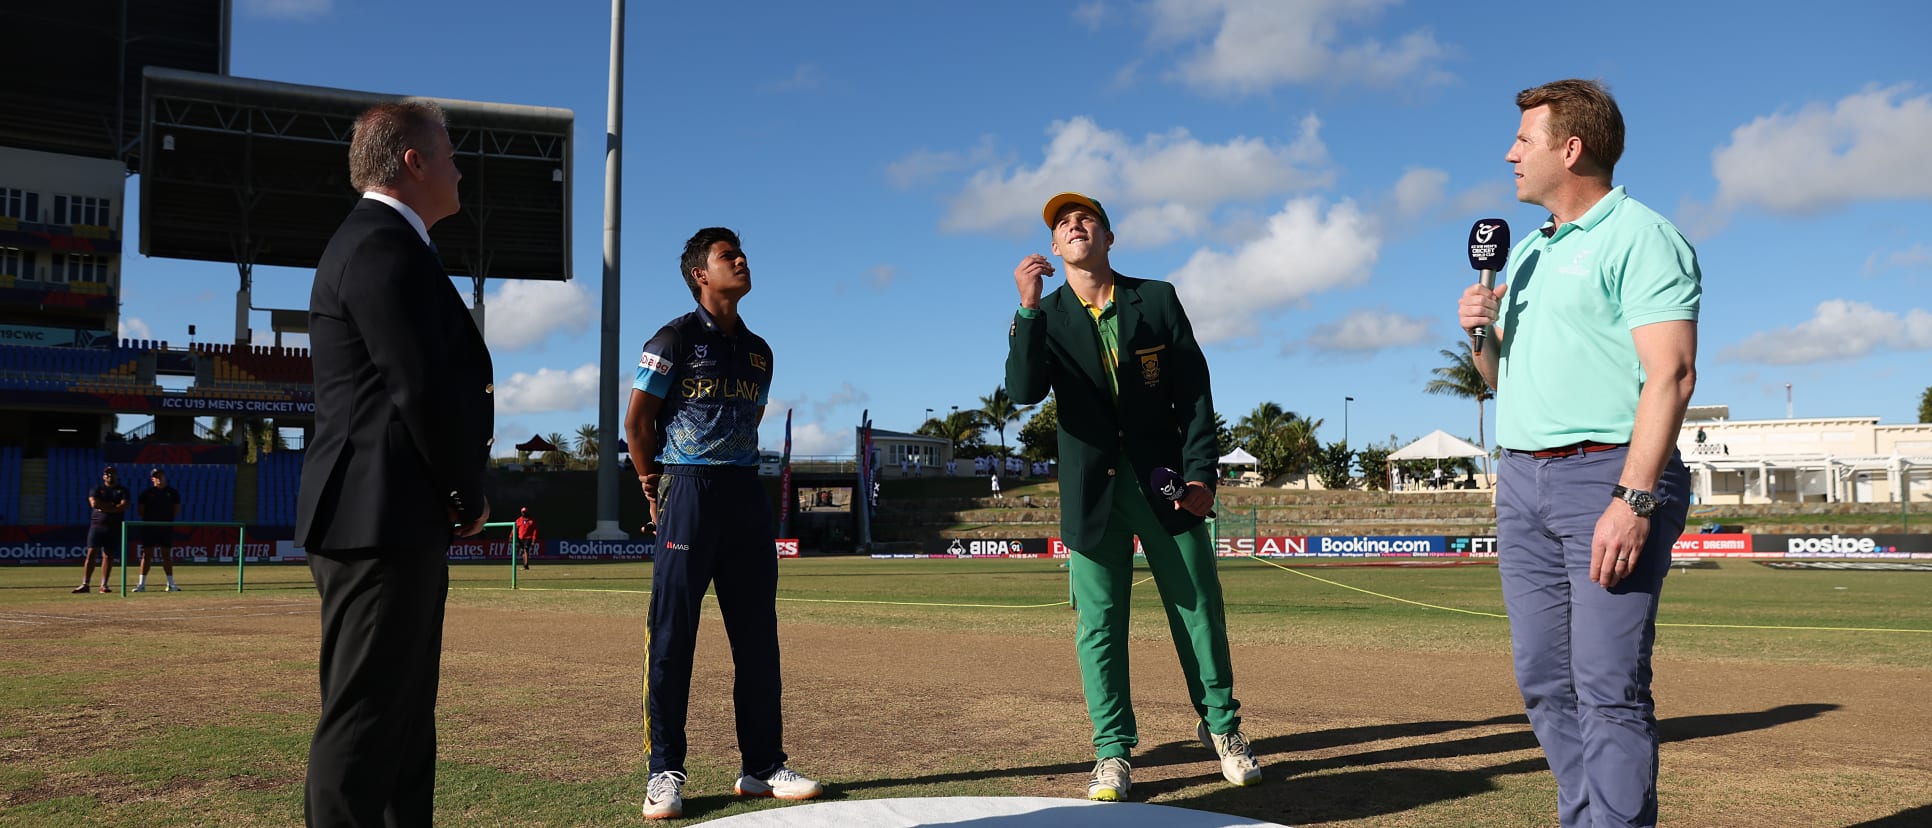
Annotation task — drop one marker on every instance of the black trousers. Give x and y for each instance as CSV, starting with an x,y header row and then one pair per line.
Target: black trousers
x,y
714,531
373,759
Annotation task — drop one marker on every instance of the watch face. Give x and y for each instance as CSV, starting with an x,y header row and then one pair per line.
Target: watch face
x,y
1643,503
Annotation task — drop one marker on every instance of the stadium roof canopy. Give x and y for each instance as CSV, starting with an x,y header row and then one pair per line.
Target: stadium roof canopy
x,y
72,68
256,172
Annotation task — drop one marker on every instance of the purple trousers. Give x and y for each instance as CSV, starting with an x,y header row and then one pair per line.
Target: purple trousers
x,y
1582,652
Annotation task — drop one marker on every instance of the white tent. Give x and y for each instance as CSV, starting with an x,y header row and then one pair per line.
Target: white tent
x,y
1436,446
1239,457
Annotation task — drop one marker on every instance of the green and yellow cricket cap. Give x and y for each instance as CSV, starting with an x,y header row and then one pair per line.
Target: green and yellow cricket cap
x,y
1057,203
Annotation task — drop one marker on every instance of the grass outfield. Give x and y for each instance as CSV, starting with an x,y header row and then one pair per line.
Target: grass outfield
x,y
194,708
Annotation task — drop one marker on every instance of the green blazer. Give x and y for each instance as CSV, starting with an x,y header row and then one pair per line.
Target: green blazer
x,y
1165,416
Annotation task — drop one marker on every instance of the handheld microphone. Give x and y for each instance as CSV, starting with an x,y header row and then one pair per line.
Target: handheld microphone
x,y
1167,483
1488,245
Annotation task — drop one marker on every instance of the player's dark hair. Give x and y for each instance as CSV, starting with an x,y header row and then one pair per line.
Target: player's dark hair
x,y
697,252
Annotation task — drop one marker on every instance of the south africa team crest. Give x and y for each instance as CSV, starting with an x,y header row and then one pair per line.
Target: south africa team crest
x,y
1150,369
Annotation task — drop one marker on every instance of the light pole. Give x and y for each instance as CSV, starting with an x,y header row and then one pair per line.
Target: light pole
x,y
1345,402
952,433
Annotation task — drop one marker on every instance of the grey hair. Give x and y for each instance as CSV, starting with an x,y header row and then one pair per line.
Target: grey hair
x,y
383,133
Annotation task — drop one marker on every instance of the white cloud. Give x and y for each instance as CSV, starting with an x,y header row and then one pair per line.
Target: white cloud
x,y
1169,175
1091,14
521,313
1911,258
1368,331
1837,330
802,79
920,166
1867,146
1419,190
880,276
508,434
1422,193
1303,251
814,439
299,10
549,389
133,328
845,395
1160,225
810,435
1491,198
1255,45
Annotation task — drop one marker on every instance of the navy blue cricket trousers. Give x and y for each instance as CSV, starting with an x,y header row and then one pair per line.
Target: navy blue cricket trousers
x,y
714,529
1582,652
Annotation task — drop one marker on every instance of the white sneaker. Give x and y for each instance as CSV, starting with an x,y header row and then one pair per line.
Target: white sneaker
x,y
664,798
784,784
1111,780
1237,759
139,588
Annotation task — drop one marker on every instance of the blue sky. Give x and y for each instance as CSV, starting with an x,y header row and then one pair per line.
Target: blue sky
x,y
1305,172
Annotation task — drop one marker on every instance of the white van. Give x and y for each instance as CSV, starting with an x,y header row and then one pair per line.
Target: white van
x,y
769,463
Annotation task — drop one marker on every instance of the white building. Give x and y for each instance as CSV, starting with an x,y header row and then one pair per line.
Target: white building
x,y
1823,460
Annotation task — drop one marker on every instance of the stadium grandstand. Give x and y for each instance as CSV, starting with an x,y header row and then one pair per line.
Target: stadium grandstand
x,y
239,171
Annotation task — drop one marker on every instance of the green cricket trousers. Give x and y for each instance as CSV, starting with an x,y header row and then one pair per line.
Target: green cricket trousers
x,y
1184,572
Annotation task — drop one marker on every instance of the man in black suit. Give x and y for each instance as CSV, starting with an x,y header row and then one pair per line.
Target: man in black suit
x,y
403,422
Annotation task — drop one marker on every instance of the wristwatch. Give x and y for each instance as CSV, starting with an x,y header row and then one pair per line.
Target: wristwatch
x,y
1642,503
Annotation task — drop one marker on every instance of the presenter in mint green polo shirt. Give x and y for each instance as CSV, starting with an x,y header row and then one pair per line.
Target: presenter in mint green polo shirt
x,y
1593,358
1132,387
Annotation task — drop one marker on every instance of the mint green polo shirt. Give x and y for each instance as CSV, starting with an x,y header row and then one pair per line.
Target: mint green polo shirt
x,y
1568,369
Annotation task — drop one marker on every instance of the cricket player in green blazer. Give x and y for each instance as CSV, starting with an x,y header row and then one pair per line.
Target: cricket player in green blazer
x,y
1133,396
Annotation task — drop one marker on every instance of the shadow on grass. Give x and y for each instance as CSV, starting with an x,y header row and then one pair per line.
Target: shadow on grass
x,y
1913,818
1347,787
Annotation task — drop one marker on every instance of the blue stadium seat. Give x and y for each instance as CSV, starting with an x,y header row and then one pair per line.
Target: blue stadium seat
x,y
280,478
72,473
10,485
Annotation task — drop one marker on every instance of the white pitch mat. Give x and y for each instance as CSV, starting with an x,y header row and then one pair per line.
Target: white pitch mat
x,y
985,812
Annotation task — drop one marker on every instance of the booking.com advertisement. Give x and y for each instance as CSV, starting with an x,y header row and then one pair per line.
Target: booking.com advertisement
x,y
61,545
273,544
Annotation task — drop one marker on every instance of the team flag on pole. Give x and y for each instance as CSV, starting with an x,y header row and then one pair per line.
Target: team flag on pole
x,y
785,482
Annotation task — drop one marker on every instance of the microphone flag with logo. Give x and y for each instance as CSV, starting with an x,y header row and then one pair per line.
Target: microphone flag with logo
x,y
1488,247
1168,484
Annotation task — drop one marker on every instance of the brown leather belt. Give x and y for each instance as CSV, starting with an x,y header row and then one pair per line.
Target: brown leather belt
x,y
1573,449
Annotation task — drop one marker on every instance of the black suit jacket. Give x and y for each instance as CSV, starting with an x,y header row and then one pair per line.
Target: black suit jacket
x,y
1165,416
404,405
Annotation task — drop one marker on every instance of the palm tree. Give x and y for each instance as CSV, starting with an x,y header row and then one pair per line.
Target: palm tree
x,y
587,436
997,411
1280,440
1298,435
1266,419
556,438
958,428
256,436
1460,378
